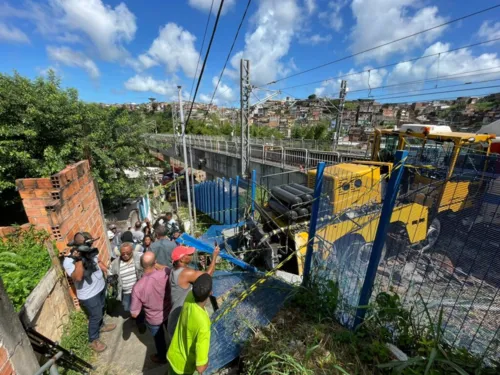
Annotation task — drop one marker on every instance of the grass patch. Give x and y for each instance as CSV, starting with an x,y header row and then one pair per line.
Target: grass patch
x,y
24,260
296,344
75,339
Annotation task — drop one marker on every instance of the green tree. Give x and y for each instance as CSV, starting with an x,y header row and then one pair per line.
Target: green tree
x,y
44,127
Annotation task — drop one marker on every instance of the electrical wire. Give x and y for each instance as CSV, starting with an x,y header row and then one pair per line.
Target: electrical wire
x,y
205,61
384,44
230,51
392,64
434,88
202,45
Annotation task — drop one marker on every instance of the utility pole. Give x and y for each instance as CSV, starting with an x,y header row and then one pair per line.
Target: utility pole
x,y
186,165
192,183
245,90
338,125
174,126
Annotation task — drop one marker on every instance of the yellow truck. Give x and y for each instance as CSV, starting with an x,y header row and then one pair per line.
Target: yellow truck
x,y
444,174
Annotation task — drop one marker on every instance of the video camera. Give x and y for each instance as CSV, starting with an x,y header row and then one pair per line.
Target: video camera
x,y
86,253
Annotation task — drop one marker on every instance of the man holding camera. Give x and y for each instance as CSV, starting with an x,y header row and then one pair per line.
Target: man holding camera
x,y
87,273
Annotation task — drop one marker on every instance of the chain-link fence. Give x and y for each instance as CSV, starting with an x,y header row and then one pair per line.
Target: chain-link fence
x,y
442,246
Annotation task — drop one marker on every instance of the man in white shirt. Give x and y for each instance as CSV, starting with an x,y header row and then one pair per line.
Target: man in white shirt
x,y
90,287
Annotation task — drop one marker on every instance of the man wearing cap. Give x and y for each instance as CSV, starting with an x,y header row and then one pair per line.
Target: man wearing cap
x,y
152,294
181,279
188,351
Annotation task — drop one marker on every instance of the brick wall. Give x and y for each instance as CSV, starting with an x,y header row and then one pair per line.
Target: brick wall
x,y
5,364
64,204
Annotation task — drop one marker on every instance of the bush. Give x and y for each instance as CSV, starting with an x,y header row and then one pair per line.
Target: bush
x,y
24,260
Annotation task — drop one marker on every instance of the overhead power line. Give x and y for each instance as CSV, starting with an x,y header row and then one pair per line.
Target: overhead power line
x,y
384,44
202,45
205,60
230,52
436,79
436,92
391,64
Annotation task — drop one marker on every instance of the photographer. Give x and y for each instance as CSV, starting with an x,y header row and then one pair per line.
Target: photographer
x,y
86,271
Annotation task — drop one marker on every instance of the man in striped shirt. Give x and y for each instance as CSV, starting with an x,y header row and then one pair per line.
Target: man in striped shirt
x,y
129,270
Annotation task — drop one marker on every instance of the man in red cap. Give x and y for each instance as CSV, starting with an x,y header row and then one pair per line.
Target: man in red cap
x,y
181,279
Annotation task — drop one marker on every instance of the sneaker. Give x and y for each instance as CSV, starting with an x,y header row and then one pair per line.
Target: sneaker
x,y
108,327
157,359
97,346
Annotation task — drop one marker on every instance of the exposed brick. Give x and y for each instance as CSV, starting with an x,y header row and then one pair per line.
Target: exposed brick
x,y
7,369
28,183
44,183
43,193
4,355
27,194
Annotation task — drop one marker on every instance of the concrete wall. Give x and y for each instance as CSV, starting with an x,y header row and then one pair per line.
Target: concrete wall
x,y
16,354
49,305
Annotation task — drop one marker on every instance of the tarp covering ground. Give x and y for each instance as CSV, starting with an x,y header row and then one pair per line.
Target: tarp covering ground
x,y
230,333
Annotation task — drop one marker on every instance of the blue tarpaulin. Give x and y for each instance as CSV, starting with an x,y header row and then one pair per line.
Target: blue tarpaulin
x,y
230,333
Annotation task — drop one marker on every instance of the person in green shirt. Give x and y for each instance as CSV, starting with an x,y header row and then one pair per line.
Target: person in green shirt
x,y
188,351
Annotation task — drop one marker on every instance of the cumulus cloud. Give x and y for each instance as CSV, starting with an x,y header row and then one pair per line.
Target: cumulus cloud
x,y
381,21
364,80
12,34
332,17
108,28
69,57
310,6
274,26
315,39
204,5
489,30
143,83
225,94
452,63
174,47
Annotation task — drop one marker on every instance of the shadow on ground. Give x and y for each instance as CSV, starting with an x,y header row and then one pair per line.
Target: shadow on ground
x,y
128,350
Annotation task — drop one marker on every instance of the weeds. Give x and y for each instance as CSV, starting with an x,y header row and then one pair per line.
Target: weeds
x,y
75,338
24,260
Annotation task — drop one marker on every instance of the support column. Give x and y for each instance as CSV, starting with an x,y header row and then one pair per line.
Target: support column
x,y
245,90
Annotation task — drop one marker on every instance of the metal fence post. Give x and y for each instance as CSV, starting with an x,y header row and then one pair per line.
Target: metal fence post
x,y
314,221
223,193
383,224
230,201
237,198
254,191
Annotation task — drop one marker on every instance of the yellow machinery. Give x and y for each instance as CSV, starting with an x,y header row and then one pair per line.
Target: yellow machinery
x,y
355,191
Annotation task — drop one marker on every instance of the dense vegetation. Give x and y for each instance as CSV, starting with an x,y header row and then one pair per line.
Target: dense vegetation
x,y
24,260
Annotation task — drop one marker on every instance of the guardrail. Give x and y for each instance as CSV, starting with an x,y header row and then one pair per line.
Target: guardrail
x,y
273,153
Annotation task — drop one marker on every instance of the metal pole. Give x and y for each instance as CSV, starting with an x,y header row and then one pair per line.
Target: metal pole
x,y
184,151
192,183
174,126
383,224
338,125
245,90
48,365
314,221
254,192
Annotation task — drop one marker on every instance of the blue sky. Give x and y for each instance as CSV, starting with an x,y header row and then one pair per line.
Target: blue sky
x,y
127,51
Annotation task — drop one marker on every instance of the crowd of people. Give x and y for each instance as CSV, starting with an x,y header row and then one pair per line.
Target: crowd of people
x,y
154,279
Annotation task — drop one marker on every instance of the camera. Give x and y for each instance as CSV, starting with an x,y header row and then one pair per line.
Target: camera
x,y
83,250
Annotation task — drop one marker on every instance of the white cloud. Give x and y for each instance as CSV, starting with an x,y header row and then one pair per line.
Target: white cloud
x,y
174,47
310,6
68,38
12,34
489,30
73,58
144,83
315,39
108,28
274,26
204,5
381,21
224,95
452,63
332,16
365,80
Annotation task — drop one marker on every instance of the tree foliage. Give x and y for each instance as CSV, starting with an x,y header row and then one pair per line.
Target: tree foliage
x,y
44,127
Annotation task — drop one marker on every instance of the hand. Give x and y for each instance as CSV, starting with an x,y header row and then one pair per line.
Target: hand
x,y
216,252
76,254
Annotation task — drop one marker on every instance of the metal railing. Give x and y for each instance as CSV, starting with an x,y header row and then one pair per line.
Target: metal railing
x,y
283,153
